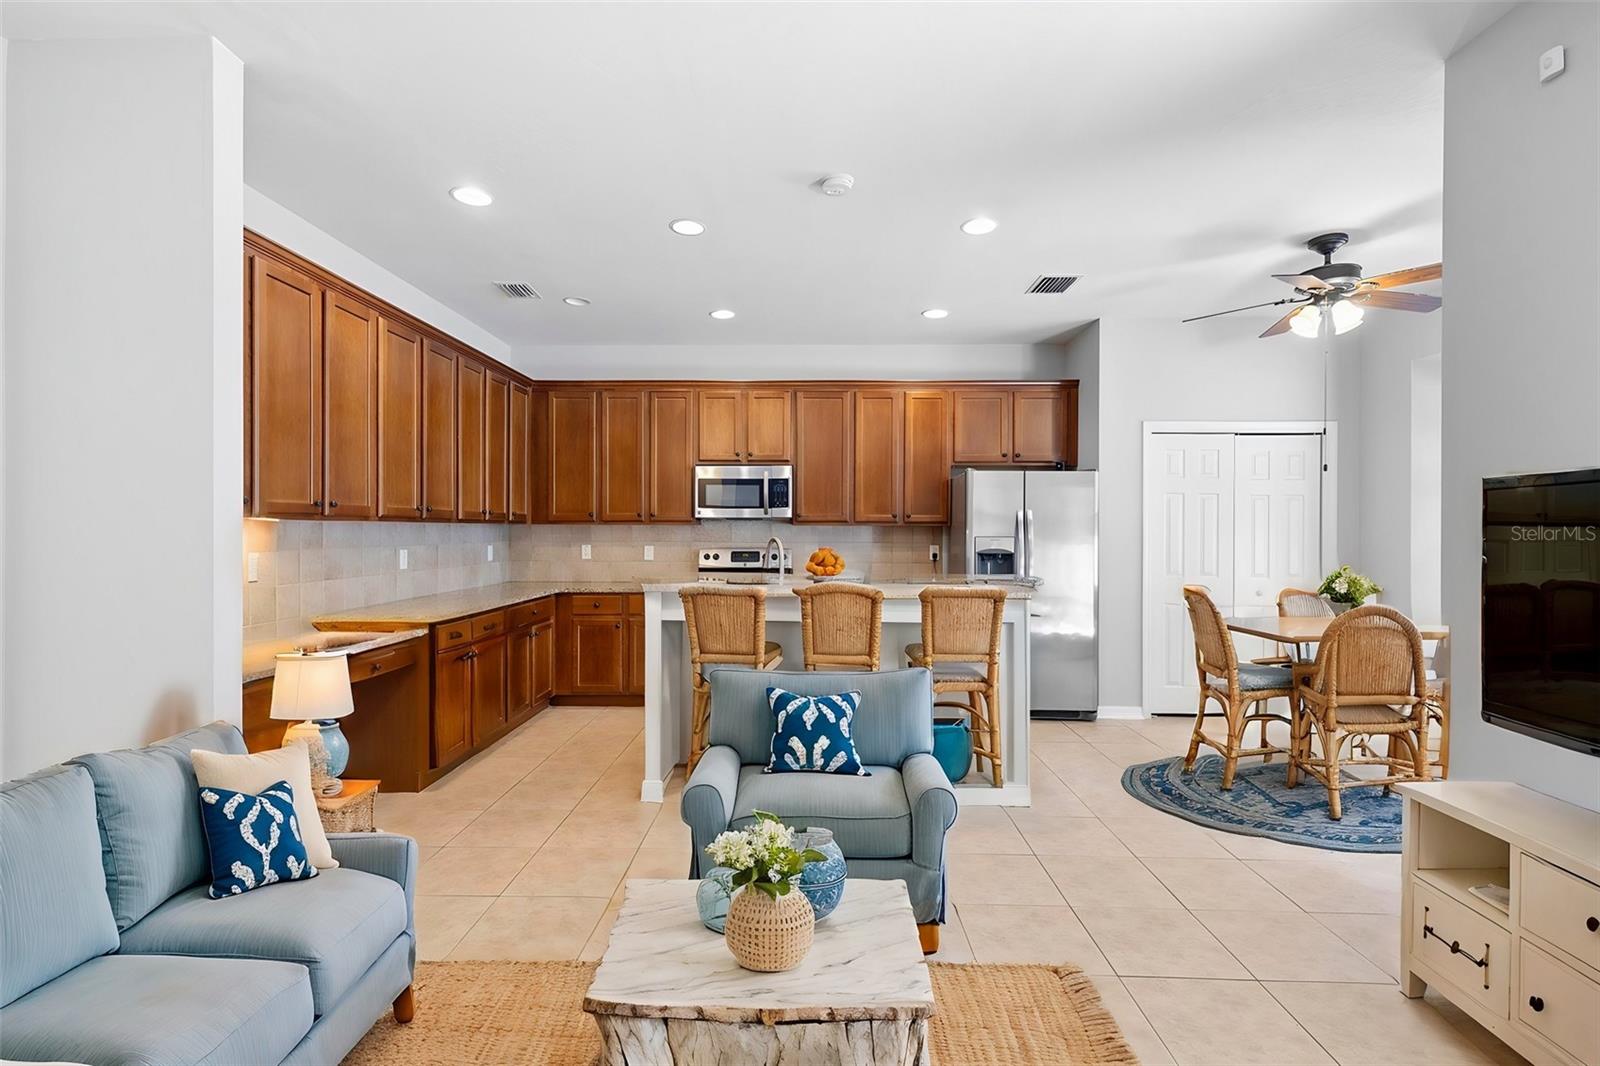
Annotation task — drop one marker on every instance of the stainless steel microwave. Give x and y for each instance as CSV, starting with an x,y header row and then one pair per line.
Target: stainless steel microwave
x,y
743,491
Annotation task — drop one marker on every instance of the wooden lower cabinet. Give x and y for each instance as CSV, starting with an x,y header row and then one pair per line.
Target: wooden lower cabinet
x,y
599,647
633,684
542,653
597,650
452,705
489,715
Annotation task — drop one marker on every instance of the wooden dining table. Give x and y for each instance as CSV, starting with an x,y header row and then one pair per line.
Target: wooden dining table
x,y
1309,630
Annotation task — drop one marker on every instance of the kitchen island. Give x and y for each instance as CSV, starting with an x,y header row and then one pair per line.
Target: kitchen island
x,y
667,679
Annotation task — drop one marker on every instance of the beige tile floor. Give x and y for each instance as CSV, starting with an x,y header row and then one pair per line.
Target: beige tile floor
x,y
1208,947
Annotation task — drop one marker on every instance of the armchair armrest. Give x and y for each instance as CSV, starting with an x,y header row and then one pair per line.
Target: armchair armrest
x,y
933,808
707,804
383,855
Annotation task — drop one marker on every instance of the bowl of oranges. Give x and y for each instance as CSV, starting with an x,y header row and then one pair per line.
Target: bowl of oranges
x,y
824,563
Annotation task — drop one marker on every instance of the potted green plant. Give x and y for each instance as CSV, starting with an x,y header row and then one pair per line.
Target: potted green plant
x,y
769,925
1344,588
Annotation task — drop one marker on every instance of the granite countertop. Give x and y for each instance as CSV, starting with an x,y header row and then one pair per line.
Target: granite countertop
x,y
443,606
897,589
260,656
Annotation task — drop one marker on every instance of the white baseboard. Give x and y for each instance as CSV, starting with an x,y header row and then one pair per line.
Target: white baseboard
x,y
1117,711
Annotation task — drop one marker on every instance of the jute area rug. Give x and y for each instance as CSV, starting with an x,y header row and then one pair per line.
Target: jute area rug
x,y
471,1013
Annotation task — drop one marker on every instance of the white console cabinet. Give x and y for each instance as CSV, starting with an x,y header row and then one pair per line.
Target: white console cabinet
x,y
1530,971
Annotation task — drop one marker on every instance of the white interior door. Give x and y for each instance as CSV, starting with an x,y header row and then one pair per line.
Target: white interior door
x,y
1188,540
1277,526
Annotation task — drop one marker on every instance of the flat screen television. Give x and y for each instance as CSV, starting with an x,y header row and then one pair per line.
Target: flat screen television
x,y
1541,606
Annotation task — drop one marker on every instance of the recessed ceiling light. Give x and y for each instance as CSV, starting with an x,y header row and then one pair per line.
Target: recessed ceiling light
x,y
575,301
686,227
977,227
936,312
722,315
471,195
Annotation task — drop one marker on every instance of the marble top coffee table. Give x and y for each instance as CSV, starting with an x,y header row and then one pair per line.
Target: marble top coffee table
x,y
668,991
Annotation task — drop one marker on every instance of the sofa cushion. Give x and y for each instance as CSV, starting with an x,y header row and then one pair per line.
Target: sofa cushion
x,y
811,734
254,839
335,925
896,717
869,816
53,908
120,1010
151,842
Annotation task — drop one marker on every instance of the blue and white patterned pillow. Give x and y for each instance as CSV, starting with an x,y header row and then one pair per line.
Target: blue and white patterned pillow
x,y
254,840
813,734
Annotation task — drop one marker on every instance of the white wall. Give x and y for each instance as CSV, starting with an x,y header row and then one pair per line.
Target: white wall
x,y
276,222
123,373
1427,487
1522,370
1083,363
781,361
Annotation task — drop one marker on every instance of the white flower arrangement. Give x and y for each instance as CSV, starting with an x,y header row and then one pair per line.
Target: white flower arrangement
x,y
762,855
1346,586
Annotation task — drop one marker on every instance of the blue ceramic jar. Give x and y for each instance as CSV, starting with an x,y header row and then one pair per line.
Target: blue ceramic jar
x,y
822,882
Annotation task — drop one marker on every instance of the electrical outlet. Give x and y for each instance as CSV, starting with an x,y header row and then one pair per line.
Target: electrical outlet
x,y
252,567
1552,63
933,553
490,556
587,552
405,559
649,552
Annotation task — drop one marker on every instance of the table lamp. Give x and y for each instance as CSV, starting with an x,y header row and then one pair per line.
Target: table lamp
x,y
313,691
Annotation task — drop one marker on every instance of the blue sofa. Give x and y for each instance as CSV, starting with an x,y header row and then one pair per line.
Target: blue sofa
x,y
890,826
112,953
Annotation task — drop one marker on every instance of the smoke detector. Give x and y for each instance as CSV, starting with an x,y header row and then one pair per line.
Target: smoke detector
x,y
836,184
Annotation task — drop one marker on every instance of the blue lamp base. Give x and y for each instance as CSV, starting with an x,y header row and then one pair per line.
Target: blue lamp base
x,y
330,750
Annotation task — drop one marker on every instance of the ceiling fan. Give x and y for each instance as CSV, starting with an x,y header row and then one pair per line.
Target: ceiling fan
x,y
1337,292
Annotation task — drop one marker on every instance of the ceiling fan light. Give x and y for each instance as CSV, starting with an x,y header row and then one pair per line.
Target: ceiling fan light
x,y
1346,316
1308,323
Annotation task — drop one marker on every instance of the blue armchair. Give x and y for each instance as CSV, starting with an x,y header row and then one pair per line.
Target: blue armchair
x,y
890,826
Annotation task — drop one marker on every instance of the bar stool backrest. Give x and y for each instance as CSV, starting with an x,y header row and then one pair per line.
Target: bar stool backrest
x,y
726,625
841,625
962,624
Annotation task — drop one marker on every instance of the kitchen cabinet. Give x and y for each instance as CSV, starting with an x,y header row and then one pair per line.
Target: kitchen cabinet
x,y
349,407
982,426
438,433
572,455
742,426
286,390
489,717
249,415
822,467
452,705
471,504
519,672
597,651
622,467
543,655
671,456
496,457
1030,425
517,434
925,457
877,452
1036,418
633,680
539,456
399,420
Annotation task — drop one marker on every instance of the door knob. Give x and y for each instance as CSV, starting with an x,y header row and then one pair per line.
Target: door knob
x,y
1537,1003
1593,925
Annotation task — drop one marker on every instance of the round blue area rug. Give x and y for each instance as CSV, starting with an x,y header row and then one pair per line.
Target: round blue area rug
x,y
1261,805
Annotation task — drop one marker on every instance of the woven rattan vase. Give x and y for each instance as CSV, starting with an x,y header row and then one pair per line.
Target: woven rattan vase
x,y
769,935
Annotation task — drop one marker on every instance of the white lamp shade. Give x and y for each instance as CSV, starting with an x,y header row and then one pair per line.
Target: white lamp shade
x,y
311,686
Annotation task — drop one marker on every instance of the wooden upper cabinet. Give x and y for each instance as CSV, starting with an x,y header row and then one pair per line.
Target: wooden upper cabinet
x,y
399,421
350,407
539,456
517,446
671,459
496,440
438,433
572,457
1036,424
981,426
721,425
286,390
925,455
622,455
877,456
249,454
822,455
471,506
768,431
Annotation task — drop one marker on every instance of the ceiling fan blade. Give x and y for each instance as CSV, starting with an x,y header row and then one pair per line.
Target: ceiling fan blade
x,y
1398,301
1282,325
1307,282
1394,279
1252,307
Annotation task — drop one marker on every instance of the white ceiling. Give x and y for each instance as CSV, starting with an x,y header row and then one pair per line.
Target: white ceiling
x,y
1174,154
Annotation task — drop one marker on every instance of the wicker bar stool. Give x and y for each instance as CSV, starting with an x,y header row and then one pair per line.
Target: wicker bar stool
x,y
727,626
961,645
1238,687
841,625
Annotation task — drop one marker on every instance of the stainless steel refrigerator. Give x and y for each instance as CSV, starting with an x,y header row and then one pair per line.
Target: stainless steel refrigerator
x,y
1038,525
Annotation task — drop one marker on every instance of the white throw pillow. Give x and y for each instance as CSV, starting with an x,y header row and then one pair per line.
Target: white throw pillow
x,y
253,773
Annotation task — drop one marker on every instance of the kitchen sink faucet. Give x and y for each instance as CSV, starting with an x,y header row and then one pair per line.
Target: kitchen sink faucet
x,y
779,557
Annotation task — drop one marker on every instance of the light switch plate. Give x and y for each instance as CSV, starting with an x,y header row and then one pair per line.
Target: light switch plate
x,y
490,555
1552,62
649,552
405,559
588,553
252,567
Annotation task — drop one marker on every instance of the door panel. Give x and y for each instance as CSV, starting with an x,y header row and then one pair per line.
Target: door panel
x,y
519,672
438,433
1036,426
496,436
517,445
597,644
925,456
767,433
544,642
452,705
539,456
982,426
721,425
286,389
399,421
350,407
876,496
471,505
633,684
822,456
622,455
1277,524
671,459
488,689
572,456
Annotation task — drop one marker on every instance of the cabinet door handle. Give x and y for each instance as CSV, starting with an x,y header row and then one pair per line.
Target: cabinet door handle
x,y
316,503
376,667
617,626
427,508
333,503
419,508
1593,924
638,514
1537,1003
591,514
1004,455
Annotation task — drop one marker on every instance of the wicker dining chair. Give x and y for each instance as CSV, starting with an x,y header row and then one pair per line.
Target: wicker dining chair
x,y
1296,603
961,645
1369,680
1438,708
841,626
727,626
1240,689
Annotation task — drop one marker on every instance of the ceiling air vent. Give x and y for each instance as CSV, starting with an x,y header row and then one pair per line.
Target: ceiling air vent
x,y
1049,283
518,291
